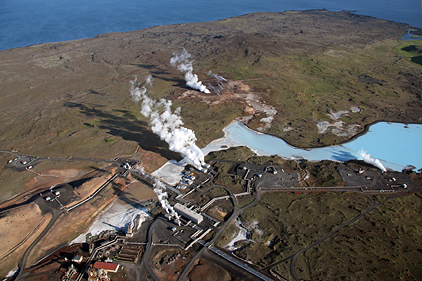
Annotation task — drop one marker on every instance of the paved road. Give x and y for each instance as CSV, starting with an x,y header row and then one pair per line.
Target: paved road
x,y
198,255
236,212
204,250
147,250
92,195
9,152
240,264
22,263
30,160
228,266
33,160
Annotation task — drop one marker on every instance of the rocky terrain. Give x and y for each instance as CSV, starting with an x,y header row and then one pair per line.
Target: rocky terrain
x,y
314,78
72,97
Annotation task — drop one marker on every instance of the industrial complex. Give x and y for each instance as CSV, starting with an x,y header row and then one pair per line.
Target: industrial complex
x,y
193,220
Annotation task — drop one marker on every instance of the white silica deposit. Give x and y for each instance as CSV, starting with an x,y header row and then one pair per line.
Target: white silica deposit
x,y
171,172
117,216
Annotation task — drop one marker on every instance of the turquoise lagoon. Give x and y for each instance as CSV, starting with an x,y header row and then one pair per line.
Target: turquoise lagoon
x,y
396,145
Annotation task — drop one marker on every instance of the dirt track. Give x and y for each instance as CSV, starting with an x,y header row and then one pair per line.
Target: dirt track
x,y
16,224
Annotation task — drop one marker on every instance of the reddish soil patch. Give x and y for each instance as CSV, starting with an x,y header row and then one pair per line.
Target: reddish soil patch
x,y
168,264
208,271
230,91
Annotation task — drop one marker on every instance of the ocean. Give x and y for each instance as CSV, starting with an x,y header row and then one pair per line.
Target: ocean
x,y
28,22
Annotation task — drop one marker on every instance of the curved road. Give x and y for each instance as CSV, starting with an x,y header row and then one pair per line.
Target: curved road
x,y
56,213
235,213
147,250
22,262
9,152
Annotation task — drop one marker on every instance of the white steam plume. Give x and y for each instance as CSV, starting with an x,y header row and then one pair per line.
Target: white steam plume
x,y
168,125
216,76
138,170
368,159
220,83
184,64
162,197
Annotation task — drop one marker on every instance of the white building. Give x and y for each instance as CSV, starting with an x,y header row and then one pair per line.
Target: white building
x,y
189,214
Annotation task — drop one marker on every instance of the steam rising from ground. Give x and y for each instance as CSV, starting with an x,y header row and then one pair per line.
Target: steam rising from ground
x,y
167,124
161,194
368,159
220,82
216,76
162,197
184,64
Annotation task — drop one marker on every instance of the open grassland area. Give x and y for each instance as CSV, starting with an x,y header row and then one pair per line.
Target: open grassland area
x,y
44,175
72,98
227,178
13,182
207,120
306,87
240,153
244,201
226,160
288,165
322,173
411,50
227,236
217,192
288,223
235,183
385,244
416,177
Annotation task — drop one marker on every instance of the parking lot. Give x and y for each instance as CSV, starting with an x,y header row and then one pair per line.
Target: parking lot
x,y
375,180
23,162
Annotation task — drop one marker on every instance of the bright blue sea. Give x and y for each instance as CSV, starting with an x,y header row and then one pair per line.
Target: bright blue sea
x,y
26,22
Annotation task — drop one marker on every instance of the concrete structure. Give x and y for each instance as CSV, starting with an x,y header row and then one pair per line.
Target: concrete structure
x,y
129,233
71,271
187,213
77,259
97,275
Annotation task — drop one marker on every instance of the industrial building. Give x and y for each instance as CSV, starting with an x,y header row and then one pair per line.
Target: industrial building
x,y
189,214
107,266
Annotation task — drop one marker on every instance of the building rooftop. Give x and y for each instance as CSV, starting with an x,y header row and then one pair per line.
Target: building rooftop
x,y
186,212
109,266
